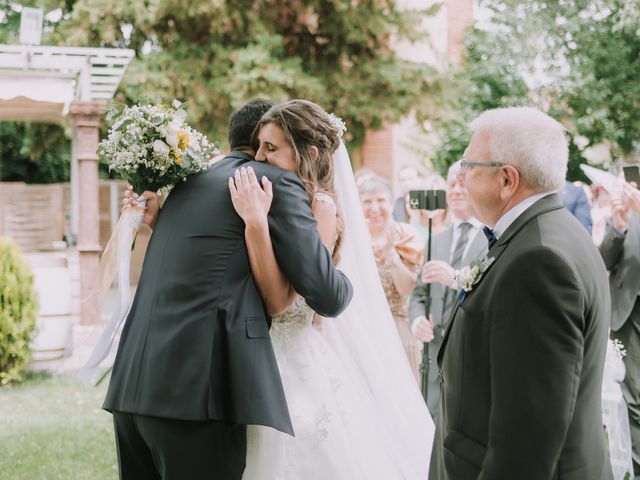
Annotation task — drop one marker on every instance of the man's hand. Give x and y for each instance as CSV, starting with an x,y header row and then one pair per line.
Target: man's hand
x,y
620,212
151,210
437,271
423,329
631,196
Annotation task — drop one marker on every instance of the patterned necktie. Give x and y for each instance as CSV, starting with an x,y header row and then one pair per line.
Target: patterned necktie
x,y
461,245
456,262
491,238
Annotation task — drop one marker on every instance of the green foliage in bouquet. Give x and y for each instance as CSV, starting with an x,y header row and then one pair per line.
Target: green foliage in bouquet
x,y
18,311
152,147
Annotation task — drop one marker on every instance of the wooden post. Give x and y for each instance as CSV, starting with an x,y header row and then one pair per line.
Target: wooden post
x,y
86,117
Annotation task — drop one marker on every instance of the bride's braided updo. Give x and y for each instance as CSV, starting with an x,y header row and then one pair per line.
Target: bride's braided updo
x,y
305,124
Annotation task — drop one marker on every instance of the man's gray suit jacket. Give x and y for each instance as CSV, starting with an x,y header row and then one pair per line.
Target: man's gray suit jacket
x,y
621,254
440,250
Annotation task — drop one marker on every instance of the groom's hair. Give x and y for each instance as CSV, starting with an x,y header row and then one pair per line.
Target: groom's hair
x,y
243,121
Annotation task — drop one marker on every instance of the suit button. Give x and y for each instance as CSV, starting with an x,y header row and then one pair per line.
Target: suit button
x,y
440,377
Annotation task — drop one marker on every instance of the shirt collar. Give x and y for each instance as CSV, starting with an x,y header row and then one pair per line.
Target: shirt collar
x,y
511,215
472,220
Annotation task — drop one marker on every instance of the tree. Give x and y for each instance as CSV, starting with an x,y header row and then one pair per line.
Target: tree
x,y
577,60
216,55
34,152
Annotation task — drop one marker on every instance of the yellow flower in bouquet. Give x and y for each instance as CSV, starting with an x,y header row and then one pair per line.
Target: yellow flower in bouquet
x,y
183,140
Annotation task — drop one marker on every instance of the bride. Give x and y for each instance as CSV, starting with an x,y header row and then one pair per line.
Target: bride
x,y
356,410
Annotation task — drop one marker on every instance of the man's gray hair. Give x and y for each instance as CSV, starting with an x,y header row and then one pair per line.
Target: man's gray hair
x,y
530,140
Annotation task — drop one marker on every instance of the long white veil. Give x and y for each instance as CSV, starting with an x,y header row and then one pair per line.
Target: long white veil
x,y
366,339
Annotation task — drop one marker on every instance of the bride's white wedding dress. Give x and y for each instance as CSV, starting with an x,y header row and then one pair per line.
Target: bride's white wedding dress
x,y
356,410
336,437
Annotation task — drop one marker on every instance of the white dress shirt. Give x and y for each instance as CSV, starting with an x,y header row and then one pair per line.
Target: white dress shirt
x,y
511,215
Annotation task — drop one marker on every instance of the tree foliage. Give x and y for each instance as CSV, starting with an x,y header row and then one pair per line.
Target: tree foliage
x,y
218,54
34,152
578,60
18,311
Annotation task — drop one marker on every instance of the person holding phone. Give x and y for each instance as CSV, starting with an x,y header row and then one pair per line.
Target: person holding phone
x,y
453,248
619,249
632,174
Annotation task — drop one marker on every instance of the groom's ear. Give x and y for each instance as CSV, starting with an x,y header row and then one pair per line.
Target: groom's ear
x,y
314,152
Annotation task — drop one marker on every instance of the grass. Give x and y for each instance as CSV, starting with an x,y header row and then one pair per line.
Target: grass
x,y
52,427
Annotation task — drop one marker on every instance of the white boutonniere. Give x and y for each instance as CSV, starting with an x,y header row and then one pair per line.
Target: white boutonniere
x,y
467,277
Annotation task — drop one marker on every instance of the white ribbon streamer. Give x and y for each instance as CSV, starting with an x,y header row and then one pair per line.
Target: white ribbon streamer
x,y
115,261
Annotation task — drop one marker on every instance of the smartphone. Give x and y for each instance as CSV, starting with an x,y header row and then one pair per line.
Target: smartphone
x,y
427,199
632,174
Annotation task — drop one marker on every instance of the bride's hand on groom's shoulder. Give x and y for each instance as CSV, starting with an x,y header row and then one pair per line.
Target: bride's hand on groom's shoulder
x,y
151,209
251,199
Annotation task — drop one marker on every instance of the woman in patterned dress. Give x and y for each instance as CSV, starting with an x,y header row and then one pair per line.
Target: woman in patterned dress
x,y
398,252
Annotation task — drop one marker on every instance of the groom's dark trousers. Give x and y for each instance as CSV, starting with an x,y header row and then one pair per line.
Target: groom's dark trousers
x,y
195,362
523,356
151,448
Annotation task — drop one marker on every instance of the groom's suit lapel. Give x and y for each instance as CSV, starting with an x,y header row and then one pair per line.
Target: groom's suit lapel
x,y
544,205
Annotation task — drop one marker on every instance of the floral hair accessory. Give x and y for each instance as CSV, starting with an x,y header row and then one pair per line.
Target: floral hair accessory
x,y
338,123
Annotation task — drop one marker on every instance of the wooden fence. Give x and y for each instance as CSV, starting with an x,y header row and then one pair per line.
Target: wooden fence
x,y
37,216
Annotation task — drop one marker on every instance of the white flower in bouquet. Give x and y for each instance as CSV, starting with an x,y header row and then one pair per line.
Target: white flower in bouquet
x,y
153,147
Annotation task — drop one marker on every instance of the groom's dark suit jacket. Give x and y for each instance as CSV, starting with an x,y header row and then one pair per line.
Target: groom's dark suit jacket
x,y
195,345
523,356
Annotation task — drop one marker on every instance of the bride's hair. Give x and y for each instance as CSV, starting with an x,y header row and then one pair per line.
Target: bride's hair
x,y
305,124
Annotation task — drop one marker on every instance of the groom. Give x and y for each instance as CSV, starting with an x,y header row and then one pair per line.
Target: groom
x,y
523,355
195,363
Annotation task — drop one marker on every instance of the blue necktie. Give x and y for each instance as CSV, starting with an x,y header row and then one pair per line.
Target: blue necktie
x,y
491,238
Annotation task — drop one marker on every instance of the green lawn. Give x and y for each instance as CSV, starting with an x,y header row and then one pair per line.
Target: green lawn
x,y
53,428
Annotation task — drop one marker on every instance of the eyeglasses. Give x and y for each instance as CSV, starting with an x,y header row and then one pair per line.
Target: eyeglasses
x,y
465,164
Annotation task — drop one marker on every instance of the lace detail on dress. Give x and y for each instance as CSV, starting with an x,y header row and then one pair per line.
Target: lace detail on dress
x,y
326,199
297,313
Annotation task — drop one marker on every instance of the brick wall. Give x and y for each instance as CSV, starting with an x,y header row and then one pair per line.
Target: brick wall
x,y
377,152
459,18
34,215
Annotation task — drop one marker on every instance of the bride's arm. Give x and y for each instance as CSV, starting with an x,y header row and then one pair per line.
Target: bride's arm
x,y
324,212
252,203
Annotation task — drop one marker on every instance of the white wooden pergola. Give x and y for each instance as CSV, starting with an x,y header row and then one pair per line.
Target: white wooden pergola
x,y
68,85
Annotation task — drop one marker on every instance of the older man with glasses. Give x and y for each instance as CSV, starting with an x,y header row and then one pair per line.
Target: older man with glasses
x,y
523,354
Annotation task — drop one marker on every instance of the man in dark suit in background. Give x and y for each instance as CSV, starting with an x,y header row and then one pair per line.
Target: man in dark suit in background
x,y
452,248
620,250
195,363
575,200
523,355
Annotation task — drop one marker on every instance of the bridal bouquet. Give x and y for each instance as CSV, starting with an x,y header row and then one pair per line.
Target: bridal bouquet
x,y
152,147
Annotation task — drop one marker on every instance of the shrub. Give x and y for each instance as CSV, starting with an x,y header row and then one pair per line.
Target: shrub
x,y
18,310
